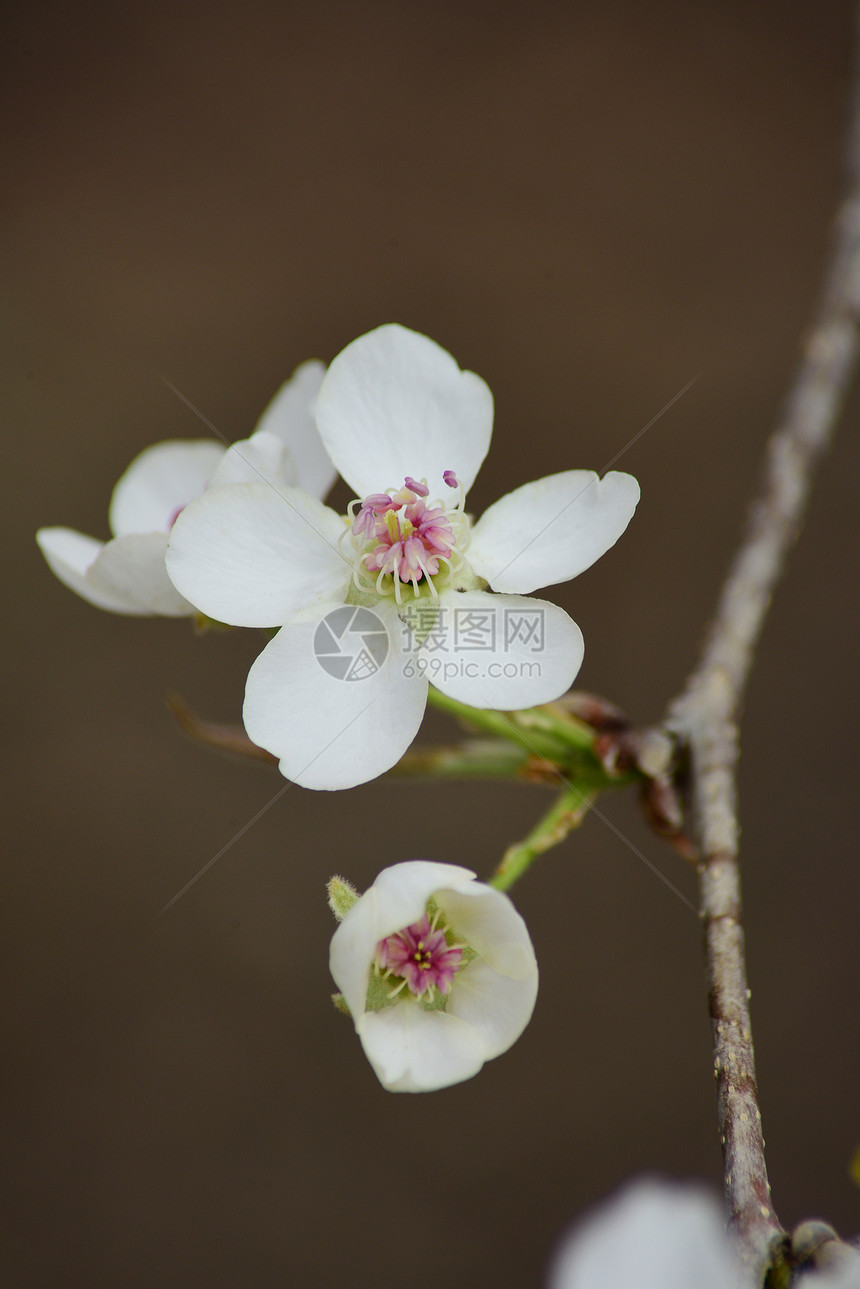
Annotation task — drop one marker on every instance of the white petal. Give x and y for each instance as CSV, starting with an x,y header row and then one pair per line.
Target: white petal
x,y
497,991
290,418
487,920
413,1050
159,482
251,555
396,899
133,566
332,732
263,458
844,1274
69,556
498,1007
551,530
654,1236
394,403
504,651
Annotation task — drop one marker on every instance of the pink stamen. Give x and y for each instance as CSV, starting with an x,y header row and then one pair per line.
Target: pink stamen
x,y
376,504
411,543
364,524
421,956
402,536
451,479
413,550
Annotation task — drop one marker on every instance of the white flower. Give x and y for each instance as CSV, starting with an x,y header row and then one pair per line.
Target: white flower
x,y
654,1235
666,1235
408,430
127,574
438,972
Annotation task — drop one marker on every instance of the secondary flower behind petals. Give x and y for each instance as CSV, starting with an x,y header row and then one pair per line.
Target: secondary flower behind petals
x,y
127,574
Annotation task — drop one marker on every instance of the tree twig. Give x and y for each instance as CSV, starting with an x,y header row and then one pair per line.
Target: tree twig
x,y
224,738
706,714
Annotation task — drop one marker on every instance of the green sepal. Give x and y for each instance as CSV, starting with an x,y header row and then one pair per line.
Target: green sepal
x,y
378,989
342,896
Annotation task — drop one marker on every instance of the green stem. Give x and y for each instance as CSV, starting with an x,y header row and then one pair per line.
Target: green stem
x,y
567,813
552,719
542,731
472,759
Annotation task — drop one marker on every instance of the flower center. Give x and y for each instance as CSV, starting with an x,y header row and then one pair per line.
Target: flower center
x,y
399,539
421,955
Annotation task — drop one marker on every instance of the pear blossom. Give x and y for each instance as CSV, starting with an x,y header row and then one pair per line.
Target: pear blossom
x,y
404,586
127,574
655,1235
438,972
671,1235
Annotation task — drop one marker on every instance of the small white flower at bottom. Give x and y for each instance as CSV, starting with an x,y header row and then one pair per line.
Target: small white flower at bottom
x,y
654,1235
438,972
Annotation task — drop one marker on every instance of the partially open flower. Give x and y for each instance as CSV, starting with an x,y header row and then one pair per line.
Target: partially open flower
x,y
127,574
438,972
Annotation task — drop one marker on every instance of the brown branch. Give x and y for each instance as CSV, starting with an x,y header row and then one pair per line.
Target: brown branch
x,y
224,738
705,716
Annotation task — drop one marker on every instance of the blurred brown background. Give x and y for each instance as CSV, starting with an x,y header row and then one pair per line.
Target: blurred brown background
x,y
588,204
